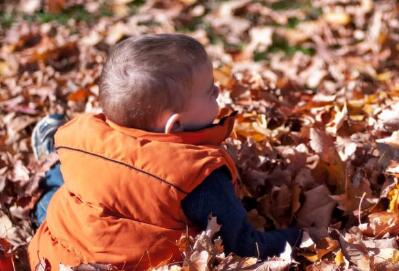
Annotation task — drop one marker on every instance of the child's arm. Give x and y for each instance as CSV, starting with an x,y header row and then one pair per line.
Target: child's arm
x,y
216,196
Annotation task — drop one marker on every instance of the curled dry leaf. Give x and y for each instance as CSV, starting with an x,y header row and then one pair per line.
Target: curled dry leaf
x,y
213,227
393,168
316,252
381,223
357,196
389,118
356,253
199,261
339,118
346,148
323,145
392,141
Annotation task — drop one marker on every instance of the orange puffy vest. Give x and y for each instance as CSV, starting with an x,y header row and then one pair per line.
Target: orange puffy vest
x,y
121,200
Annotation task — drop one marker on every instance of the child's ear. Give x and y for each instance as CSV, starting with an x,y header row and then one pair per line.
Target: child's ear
x,y
173,124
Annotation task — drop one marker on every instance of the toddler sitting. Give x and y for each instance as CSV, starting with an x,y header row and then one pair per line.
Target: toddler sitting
x,y
147,169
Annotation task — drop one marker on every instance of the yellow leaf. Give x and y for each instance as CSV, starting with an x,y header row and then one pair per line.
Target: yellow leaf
x,y
339,258
357,117
385,76
327,246
4,68
249,262
393,197
188,2
371,99
367,5
120,9
338,18
247,129
395,257
223,75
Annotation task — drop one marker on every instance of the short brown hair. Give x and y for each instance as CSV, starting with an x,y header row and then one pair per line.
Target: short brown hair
x,y
143,77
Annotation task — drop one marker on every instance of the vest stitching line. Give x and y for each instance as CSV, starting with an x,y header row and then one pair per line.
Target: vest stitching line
x,y
123,164
68,248
110,213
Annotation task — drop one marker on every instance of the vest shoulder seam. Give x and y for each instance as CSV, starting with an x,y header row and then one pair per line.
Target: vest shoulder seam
x,y
123,164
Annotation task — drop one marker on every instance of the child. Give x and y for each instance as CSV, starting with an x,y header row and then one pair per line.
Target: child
x,y
147,169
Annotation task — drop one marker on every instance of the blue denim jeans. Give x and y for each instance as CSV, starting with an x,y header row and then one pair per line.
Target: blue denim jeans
x,y
51,182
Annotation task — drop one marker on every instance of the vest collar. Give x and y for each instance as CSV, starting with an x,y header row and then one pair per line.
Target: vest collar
x,y
212,135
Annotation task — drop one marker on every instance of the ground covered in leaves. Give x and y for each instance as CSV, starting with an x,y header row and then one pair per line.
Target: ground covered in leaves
x,y
316,85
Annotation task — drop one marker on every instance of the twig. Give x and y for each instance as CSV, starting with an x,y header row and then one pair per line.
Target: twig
x,y
360,207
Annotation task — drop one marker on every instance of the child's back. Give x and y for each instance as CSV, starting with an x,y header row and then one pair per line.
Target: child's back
x,y
120,203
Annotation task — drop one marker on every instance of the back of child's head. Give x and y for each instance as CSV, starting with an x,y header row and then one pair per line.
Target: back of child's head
x,y
147,76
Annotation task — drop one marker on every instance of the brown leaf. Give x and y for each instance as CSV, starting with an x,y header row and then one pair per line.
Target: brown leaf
x,y
79,95
323,248
278,205
339,118
382,223
88,267
321,143
354,195
6,258
64,58
184,243
356,253
317,209
257,221
55,6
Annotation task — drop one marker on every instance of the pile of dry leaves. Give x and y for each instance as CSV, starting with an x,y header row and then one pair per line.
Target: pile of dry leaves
x,y
316,85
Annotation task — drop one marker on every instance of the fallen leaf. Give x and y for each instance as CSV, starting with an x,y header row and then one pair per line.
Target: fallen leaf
x,y
339,258
337,18
79,95
356,253
382,223
317,209
199,261
389,117
392,141
213,227
323,248
339,118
